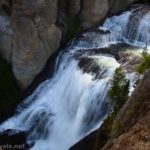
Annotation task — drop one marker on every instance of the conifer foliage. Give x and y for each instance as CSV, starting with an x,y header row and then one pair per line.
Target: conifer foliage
x,y
119,89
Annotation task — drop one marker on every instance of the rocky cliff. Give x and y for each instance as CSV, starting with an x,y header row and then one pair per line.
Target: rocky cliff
x,y
129,129
31,31
134,121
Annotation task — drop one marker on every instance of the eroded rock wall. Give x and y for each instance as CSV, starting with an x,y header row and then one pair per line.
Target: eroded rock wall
x,y
31,31
29,36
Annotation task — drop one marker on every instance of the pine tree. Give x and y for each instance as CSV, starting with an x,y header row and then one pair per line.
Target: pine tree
x,y
145,64
119,89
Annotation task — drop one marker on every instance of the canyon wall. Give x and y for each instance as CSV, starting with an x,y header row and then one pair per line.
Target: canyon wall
x,y
31,31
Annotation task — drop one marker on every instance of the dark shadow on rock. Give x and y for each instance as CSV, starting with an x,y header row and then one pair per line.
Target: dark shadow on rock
x,y
13,139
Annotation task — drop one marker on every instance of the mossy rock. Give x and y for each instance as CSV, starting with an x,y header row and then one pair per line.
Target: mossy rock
x,y
117,128
105,131
10,94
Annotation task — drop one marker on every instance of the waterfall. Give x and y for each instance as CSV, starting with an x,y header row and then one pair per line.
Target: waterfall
x,y
68,106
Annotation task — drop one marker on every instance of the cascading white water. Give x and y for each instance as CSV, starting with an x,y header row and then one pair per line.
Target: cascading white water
x,y
65,110
131,27
74,101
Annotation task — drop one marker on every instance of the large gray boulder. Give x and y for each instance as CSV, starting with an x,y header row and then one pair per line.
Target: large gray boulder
x,y
29,37
30,52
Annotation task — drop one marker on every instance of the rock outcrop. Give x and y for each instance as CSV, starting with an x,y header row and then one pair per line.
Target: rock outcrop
x,y
31,31
93,11
29,36
13,139
134,120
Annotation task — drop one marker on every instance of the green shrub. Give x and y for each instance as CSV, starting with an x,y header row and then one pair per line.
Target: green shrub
x,y
118,128
145,64
119,89
104,133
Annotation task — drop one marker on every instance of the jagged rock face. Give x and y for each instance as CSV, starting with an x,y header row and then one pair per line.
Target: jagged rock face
x,y
31,31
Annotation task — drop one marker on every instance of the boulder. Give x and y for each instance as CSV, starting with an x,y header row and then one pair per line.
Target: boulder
x,y
29,37
13,139
93,11
6,37
117,5
32,49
